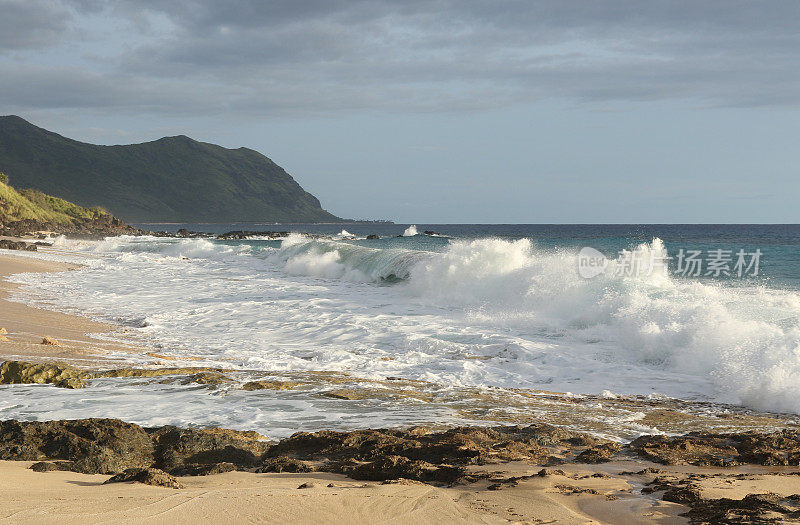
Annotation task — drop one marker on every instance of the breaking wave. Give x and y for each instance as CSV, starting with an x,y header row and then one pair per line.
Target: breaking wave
x,y
744,337
525,309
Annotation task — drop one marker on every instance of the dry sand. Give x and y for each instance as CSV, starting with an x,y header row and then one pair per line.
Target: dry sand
x,y
236,497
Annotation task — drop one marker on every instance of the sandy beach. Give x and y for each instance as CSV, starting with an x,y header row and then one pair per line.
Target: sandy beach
x,y
236,497
27,326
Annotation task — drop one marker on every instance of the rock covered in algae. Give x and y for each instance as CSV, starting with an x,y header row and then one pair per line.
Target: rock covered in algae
x,y
20,372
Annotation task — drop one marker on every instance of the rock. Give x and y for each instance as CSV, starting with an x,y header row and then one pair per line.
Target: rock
x,y
148,476
396,467
283,464
49,341
549,472
684,495
241,234
753,508
20,372
270,385
153,372
306,485
44,466
348,394
712,449
598,454
204,470
206,378
454,447
373,236
17,245
91,446
177,447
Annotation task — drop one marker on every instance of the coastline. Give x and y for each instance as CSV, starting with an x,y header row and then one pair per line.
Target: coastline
x,y
609,487
27,326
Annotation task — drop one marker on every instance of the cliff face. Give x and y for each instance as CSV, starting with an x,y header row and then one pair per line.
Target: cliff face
x,y
173,179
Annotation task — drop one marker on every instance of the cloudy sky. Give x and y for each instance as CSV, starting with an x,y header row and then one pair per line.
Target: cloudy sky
x,y
442,110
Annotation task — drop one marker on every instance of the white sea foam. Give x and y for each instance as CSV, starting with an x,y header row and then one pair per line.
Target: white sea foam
x,y
483,312
410,231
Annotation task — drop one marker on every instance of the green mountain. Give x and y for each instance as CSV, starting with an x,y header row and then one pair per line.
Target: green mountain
x,y
173,179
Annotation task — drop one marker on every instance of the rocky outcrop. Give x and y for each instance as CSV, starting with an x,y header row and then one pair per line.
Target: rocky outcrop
x,y
96,228
283,464
425,455
92,446
148,476
7,244
18,372
175,447
204,469
154,372
721,450
244,234
109,446
267,384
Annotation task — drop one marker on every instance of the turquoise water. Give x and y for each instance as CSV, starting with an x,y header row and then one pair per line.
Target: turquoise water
x,y
779,243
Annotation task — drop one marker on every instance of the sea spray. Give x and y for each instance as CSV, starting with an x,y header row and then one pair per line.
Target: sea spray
x,y
411,231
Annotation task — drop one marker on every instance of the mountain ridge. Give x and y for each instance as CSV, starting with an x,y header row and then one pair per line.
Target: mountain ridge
x,y
170,179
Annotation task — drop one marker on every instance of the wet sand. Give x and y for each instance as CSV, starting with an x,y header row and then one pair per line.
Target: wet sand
x,y
28,326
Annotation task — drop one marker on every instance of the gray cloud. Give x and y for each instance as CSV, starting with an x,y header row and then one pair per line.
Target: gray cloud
x,y
31,24
317,57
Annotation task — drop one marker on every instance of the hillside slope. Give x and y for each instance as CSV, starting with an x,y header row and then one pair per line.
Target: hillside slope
x,y
30,210
173,179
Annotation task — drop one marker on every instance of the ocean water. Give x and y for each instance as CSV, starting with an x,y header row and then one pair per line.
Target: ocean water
x,y
475,308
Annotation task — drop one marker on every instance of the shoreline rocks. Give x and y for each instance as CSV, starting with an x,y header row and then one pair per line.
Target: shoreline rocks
x,y
155,456
20,372
7,244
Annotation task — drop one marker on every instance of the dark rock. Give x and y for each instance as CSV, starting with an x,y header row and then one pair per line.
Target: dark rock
x,y
148,476
176,447
243,234
283,464
373,236
44,466
598,454
753,508
306,485
550,472
685,495
7,244
92,446
203,469
396,467
94,228
712,449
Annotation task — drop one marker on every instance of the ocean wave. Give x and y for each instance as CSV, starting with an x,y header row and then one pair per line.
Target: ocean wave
x,y
489,311
744,337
